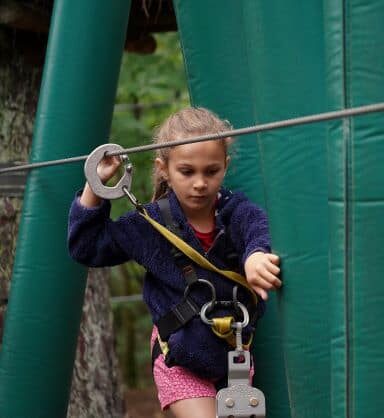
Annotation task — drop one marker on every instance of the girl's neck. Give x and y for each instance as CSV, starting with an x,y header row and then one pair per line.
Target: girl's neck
x,y
202,222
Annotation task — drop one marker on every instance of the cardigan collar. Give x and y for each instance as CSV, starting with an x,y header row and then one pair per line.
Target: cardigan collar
x,y
222,208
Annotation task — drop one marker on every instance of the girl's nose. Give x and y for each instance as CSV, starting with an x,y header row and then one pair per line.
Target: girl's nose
x,y
200,183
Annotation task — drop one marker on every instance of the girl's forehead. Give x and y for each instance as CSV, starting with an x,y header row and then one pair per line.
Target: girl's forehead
x,y
211,149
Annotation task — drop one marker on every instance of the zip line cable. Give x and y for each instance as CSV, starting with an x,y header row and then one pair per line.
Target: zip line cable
x,y
319,117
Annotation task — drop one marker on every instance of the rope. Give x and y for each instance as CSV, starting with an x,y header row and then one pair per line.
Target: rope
x,y
319,117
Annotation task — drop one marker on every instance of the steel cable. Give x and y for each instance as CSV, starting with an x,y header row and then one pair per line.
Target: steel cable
x,y
319,117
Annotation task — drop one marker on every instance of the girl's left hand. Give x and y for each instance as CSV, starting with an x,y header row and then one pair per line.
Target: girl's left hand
x,y
261,271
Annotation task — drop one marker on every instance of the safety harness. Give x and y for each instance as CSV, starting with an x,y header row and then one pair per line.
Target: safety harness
x,y
184,257
236,394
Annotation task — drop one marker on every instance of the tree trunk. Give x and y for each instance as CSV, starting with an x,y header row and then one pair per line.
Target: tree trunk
x,y
19,86
96,388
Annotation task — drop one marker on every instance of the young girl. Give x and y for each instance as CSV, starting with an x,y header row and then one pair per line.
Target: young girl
x,y
190,178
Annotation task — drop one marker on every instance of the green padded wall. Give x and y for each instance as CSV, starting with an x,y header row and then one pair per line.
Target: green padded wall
x,y
219,76
74,115
355,74
218,41
289,73
256,62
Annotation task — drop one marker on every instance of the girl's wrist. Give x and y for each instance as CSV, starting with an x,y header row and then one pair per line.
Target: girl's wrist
x,y
88,198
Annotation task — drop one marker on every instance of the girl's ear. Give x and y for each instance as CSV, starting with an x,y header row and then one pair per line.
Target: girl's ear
x,y
161,168
227,160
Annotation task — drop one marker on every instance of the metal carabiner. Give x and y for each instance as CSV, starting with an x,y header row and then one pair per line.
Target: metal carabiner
x,y
207,307
90,171
132,198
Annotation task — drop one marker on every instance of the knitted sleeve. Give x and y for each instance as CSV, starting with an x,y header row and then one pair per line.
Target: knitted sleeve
x,y
97,241
249,224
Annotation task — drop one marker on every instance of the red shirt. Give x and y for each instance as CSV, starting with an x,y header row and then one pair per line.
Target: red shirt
x,y
206,238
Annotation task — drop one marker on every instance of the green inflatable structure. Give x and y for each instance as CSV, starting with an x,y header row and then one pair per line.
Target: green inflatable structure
x,y
319,347
73,117
355,76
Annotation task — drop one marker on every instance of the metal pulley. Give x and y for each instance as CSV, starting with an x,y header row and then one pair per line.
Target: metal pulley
x,y
239,399
94,181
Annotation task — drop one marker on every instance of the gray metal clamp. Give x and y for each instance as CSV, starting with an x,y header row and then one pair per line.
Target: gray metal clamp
x,y
90,171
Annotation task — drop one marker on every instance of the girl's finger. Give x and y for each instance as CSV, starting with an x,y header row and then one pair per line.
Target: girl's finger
x,y
273,258
260,283
112,160
261,292
273,268
272,279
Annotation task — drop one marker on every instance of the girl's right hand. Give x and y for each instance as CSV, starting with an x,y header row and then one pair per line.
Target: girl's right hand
x,y
108,167
105,170
262,271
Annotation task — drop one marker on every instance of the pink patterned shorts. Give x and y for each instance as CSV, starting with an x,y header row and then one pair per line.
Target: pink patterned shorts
x,y
177,383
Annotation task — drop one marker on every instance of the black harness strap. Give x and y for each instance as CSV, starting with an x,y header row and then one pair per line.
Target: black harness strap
x,y
186,309
181,260
176,318
156,351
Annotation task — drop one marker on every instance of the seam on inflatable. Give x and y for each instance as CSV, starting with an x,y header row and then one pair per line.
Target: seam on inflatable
x,y
347,213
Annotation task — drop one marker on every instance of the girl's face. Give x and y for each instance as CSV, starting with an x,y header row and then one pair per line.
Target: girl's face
x,y
195,173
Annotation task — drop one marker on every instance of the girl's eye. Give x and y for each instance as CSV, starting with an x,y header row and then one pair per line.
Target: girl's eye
x,y
186,172
212,172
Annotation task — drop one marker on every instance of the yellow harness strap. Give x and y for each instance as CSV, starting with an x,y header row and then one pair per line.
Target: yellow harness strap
x,y
222,327
163,346
195,255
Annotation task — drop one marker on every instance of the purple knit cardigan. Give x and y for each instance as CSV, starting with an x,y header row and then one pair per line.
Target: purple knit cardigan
x,y
97,241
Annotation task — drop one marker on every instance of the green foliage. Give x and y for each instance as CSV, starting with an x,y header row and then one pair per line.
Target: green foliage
x,y
153,78
150,88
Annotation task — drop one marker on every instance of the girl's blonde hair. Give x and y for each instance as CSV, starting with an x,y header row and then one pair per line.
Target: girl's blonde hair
x,y
188,122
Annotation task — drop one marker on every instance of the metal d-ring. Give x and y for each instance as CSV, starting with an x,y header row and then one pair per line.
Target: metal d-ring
x,y
207,307
90,171
208,283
